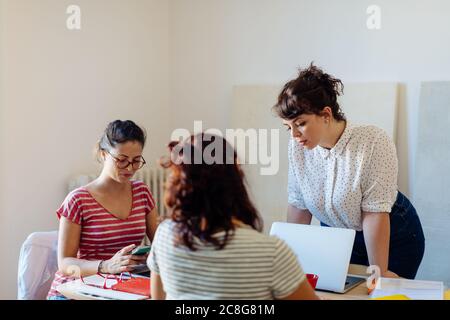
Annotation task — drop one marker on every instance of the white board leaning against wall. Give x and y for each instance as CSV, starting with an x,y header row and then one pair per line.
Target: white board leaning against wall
x,y
432,187
363,103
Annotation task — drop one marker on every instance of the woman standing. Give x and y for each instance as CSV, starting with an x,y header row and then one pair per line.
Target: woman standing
x,y
103,221
346,176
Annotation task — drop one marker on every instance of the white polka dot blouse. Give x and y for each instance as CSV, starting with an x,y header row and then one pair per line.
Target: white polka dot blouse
x,y
359,174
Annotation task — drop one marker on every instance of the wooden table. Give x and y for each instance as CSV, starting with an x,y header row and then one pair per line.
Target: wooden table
x,y
357,293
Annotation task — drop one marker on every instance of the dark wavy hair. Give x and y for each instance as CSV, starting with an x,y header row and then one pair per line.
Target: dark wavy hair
x,y
213,192
309,93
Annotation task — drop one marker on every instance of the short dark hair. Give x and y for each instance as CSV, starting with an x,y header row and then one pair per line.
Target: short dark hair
x,y
309,93
118,132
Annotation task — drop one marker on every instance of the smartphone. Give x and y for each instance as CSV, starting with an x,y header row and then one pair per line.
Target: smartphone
x,y
139,251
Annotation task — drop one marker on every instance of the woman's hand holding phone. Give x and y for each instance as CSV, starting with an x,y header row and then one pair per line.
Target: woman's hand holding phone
x,y
123,261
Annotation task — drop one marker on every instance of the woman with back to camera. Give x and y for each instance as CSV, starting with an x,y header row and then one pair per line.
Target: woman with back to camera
x,y
346,176
211,245
102,222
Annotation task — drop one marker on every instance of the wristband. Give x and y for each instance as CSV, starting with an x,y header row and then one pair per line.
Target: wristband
x,y
100,265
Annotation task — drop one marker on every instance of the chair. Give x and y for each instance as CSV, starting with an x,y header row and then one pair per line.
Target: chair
x,y
37,265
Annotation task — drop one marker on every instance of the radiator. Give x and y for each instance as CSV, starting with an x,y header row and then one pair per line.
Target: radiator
x,y
154,178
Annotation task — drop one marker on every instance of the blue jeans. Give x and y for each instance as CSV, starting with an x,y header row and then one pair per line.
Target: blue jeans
x,y
407,242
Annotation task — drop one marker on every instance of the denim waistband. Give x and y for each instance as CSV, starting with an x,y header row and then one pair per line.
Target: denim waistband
x,y
401,205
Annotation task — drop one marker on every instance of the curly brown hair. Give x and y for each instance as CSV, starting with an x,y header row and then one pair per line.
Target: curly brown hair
x,y
309,93
203,198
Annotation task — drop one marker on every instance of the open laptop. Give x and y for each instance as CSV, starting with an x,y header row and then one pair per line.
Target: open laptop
x,y
323,251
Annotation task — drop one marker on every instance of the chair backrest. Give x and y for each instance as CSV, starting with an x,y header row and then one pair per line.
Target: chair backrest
x,y
37,265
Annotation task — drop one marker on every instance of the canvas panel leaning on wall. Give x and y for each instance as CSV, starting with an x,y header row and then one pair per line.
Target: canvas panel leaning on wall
x,y
432,189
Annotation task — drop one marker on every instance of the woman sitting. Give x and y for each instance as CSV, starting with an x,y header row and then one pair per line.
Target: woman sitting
x,y
103,221
211,247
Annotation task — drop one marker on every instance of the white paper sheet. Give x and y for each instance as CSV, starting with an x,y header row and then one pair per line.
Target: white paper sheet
x,y
413,289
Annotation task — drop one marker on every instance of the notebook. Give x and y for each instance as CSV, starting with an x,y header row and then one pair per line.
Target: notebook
x,y
140,286
108,294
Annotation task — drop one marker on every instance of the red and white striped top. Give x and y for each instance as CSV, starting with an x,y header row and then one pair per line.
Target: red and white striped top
x,y
102,234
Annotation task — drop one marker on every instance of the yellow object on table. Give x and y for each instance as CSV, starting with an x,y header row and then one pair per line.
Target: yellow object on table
x,y
447,295
393,297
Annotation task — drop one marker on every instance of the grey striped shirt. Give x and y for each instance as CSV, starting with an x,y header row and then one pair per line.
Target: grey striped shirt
x,y
251,266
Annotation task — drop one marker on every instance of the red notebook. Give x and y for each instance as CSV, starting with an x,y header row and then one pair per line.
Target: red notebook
x,y
139,286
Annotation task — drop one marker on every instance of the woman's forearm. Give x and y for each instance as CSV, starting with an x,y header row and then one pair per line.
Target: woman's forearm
x,y
152,224
301,216
377,232
156,287
74,267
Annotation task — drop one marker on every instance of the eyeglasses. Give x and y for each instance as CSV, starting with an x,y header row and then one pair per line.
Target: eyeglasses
x,y
124,163
123,276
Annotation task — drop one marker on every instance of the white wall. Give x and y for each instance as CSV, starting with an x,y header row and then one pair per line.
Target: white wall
x,y
216,44
2,99
63,87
